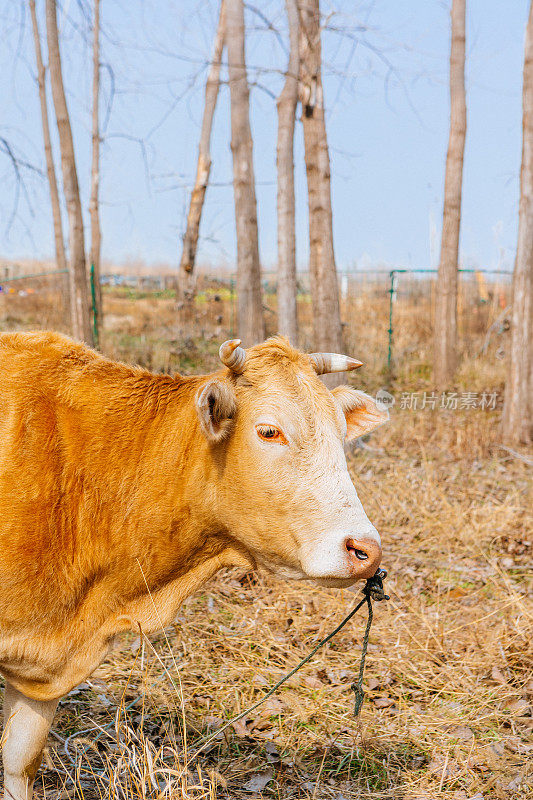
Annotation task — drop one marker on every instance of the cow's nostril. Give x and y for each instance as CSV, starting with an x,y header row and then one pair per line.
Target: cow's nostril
x,y
371,554
360,554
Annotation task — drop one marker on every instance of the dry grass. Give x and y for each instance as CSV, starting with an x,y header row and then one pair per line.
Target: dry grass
x,y
449,674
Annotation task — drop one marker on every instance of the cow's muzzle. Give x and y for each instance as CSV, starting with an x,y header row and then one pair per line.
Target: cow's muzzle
x,y
364,556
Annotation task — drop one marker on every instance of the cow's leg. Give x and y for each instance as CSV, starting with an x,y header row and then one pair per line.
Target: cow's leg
x,y
27,723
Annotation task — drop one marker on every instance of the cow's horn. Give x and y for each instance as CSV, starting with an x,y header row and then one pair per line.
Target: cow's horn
x,y
232,355
333,362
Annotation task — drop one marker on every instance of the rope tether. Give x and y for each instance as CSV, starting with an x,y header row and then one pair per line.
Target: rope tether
x,y
372,590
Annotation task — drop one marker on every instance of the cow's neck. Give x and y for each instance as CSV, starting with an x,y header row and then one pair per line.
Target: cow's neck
x,y
156,511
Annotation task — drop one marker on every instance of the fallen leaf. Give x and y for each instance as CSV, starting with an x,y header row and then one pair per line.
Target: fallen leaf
x,y
497,675
440,766
462,732
239,726
261,724
520,707
312,683
383,702
515,784
272,707
334,678
266,733
258,782
212,721
272,752
517,746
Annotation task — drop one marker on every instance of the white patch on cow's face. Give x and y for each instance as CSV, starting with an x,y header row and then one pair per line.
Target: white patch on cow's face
x,y
314,524
338,514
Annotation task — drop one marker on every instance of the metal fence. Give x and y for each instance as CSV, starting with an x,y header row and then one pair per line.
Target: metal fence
x,y
387,315
37,300
486,289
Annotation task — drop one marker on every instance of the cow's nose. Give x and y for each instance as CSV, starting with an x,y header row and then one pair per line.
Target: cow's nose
x,y
364,556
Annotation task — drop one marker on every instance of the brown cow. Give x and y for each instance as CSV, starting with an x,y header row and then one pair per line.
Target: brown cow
x,y
122,492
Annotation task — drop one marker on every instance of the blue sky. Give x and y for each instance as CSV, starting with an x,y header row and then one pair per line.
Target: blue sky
x,y
386,73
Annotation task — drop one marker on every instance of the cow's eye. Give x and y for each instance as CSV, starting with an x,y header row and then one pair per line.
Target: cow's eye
x,y
270,433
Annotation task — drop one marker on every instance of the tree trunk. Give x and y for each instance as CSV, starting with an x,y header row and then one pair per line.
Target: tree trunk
x,y
96,238
445,331
59,242
518,402
249,302
323,274
186,281
79,299
287,102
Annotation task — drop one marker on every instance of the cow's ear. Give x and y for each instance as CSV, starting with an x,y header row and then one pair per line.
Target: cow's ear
x,y
216,407
361,411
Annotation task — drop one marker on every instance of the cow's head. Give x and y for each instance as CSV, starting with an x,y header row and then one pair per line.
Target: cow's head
x,y
276,435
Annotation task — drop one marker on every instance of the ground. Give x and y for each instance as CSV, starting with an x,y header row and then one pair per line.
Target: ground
x,y
449,676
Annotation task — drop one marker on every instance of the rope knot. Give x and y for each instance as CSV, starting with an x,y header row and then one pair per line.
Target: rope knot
x,y
374,586
373,590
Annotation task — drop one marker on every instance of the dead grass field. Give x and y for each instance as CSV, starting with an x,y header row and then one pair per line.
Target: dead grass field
x,y
449,675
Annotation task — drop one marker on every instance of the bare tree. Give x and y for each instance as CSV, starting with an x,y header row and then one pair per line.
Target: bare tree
x,y
287,102
445,330
79,300
249,304
59,242
186,282
96,237
323,274
518,403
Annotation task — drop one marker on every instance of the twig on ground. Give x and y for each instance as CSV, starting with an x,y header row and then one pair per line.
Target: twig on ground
x,y
526,459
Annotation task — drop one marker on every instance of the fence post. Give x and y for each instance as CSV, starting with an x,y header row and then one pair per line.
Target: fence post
x,y
95,311
392,276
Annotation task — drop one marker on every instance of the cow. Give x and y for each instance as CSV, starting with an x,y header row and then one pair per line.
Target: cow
x,y
122,492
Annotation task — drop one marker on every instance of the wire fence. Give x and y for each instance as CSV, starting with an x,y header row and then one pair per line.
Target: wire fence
x,y
37,300
387,315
